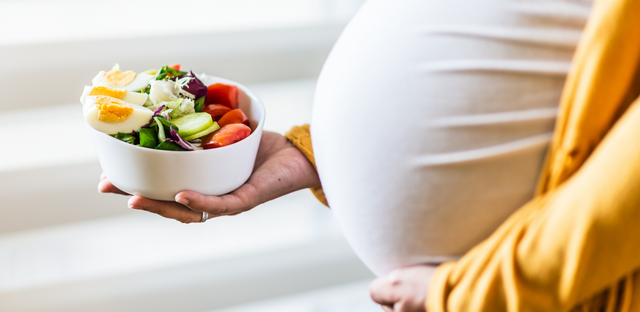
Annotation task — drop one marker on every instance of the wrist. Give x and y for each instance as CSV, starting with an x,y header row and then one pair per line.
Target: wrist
x,y
300,137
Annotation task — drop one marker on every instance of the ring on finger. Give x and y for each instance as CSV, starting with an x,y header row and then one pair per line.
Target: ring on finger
x,y
204,217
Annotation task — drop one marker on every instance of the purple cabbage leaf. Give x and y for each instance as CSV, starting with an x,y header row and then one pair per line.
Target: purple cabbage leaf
x,y
194,87
176,138
155,113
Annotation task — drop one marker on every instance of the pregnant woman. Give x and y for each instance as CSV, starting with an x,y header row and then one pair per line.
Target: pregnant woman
x,y
430,125
431,120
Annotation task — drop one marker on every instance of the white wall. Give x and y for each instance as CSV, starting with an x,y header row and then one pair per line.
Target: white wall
x,y
76,250
50,47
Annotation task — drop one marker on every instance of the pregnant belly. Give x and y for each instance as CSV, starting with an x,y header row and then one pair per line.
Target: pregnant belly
x,y
431,121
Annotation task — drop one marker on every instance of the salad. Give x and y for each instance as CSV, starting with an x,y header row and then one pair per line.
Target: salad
x,y
165,109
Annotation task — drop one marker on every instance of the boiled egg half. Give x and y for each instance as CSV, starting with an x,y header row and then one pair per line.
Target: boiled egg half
x,y
119,80
112,115
129,97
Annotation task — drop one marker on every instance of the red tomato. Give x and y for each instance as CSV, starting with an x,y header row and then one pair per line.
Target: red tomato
x,y
216,111
220,93
232,117
226,135
176,66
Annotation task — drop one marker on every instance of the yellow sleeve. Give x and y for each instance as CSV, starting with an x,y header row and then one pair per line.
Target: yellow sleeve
x,y
300,136
576,245
562,248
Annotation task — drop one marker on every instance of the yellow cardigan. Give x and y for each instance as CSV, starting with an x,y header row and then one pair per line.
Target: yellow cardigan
x,y
576,245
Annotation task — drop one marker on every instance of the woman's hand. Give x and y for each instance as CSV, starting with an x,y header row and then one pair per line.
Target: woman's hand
x,y
404,289
280,169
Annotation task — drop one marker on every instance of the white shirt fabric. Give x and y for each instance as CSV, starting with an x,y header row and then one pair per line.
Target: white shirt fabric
x,y
432,118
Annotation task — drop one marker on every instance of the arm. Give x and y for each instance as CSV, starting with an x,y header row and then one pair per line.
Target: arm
x,y
300,136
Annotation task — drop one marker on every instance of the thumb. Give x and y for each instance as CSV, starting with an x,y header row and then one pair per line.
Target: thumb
x,y
242,199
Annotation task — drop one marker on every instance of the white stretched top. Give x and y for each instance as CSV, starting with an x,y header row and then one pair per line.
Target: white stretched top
x,y
431,120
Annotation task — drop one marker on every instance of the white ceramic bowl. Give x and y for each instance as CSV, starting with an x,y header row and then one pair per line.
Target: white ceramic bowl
x,y
160,174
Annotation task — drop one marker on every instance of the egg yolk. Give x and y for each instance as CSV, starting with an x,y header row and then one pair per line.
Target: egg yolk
x,y
118,94
112,110
117,78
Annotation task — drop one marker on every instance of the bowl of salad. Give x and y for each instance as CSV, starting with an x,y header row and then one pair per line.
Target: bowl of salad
x,y
165,130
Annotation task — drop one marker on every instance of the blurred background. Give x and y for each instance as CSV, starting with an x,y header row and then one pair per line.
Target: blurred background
x,y
64,247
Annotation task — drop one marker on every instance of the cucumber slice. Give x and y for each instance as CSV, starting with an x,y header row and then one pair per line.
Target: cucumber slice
x,y
213,128
193,123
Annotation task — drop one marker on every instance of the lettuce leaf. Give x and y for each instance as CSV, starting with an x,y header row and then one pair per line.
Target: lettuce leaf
x,y
160,129
148,137
130,138
168,72
169,146
199,104
167,124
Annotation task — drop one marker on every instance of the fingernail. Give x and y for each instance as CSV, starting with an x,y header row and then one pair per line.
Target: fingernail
x,y
182,200
131,205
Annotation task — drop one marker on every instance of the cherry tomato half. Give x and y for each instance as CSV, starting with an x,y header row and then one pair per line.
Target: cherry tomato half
x,y
226,135
216,111
176,66
234,116
220,93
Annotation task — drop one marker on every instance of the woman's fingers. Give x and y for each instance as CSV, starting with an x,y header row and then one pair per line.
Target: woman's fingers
x,y
166,209
242,199
190,204
387,308
104,186
383,292
404,289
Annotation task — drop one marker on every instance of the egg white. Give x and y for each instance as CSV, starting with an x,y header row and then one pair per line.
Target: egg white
x,y
130,97
140,82
138,118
